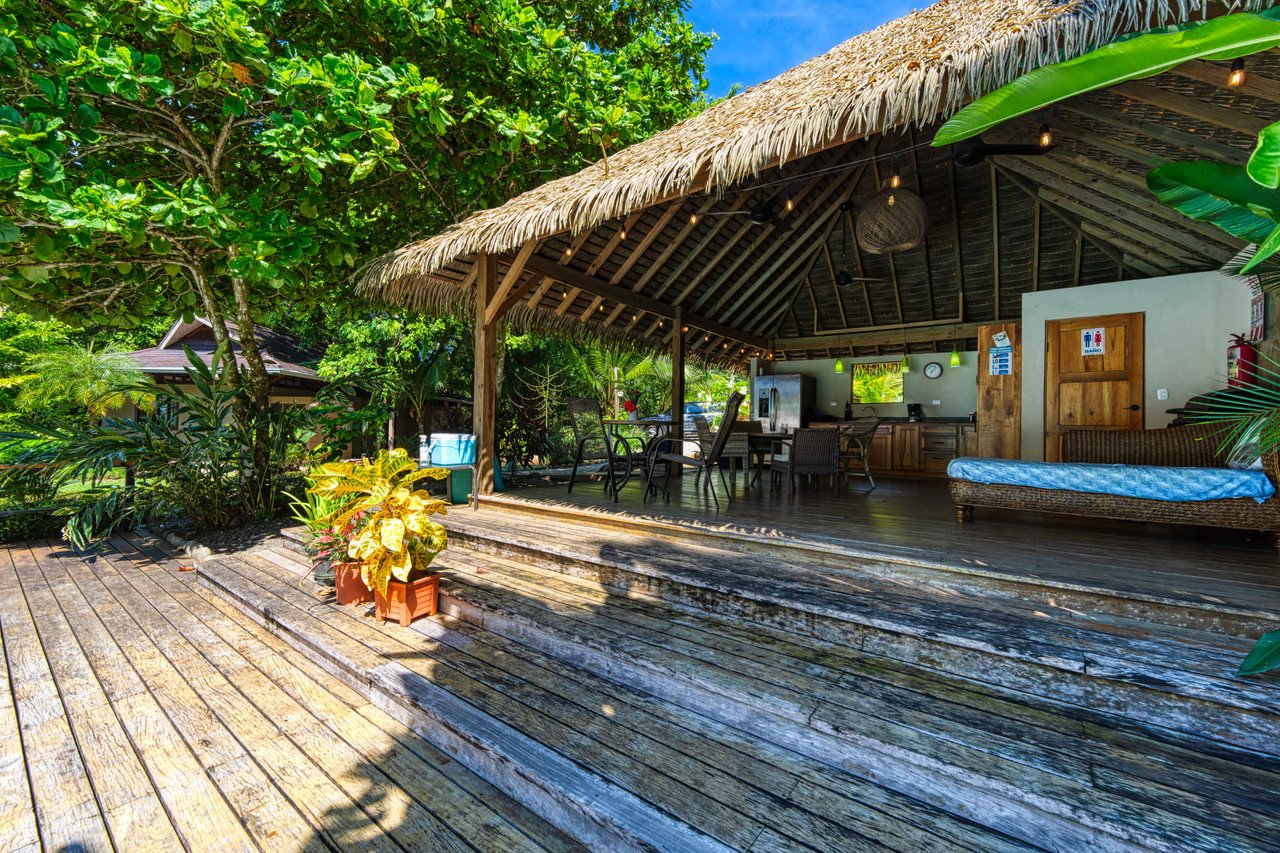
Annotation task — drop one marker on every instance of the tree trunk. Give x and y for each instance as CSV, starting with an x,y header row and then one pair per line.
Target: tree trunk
x,y
259,496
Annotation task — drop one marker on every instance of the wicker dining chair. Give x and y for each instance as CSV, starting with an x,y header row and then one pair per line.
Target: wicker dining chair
x,y
855,442
707,462
812,452
593,443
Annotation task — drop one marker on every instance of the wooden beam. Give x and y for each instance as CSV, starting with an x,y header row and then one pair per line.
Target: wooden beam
x,y
769,308
1195,108
484,378
1185,141
1066,218
494,303
1159,237
636,253
1216,75
587,284
928,267
933,330
955,230
1079,258
677,384
1151,258
1035,245
574,247
835,289
995,241
1139,210
780,253
518,293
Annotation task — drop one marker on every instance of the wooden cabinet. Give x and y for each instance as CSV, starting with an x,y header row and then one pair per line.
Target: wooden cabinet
x,y
920,449
906,447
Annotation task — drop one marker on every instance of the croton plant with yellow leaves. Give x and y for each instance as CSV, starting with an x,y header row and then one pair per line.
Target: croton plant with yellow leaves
x,y
396,534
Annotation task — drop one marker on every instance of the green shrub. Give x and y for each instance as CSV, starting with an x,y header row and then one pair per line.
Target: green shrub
x,y
22,525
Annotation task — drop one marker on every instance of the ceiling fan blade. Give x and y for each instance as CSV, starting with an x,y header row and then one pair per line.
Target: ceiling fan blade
x,y
728,213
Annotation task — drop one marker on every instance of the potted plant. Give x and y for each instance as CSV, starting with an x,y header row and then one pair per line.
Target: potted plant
x,y
394,539
332,567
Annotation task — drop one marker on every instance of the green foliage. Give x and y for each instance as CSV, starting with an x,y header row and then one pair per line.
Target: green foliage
x,y
1135,57
1264,656
878,383
85,382
150,151
1219,193
22,525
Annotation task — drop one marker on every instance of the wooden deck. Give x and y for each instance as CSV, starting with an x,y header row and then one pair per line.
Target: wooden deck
x,y
912,520
141,712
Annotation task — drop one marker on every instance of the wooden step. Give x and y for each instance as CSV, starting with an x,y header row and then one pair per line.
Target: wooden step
x,y
916,566
926,736
614,767
1151,673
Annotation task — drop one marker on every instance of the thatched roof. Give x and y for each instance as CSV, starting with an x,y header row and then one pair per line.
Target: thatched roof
x,y
827,113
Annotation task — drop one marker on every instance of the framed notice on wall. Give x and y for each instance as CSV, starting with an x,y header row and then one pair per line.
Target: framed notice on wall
x,y
1258,318
1000,361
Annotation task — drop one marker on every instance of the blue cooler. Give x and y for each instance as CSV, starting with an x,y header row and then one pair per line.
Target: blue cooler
x,y
456,452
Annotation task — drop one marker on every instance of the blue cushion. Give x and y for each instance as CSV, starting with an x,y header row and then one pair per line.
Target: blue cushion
x,y
1131,481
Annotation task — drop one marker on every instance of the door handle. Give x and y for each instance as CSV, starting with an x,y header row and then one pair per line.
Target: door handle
x,y
1135,407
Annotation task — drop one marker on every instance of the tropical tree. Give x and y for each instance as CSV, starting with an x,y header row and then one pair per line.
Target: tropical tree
x,y
224,156
86,380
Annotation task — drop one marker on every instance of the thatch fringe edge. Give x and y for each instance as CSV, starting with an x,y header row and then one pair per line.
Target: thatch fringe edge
x,y
905,97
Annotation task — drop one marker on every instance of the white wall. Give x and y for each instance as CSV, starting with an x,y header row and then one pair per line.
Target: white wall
x,y
956,388
1188,321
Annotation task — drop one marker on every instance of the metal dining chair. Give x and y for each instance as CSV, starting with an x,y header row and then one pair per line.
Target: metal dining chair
x,y
592,442
707,462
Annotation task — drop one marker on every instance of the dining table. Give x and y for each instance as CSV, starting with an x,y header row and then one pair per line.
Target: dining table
x,y
764,442
655,430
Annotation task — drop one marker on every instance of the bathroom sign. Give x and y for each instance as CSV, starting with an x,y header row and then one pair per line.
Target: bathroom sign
x,y
1092,342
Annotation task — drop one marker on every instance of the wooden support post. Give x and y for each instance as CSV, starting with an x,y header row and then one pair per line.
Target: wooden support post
x,y
677,384
484,396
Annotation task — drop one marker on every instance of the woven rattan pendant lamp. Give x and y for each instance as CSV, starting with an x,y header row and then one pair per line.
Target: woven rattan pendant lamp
x,y
894,220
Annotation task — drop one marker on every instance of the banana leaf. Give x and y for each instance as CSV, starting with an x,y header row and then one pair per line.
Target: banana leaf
x,y
1264,164
1269,247
1265,655
1218,193
1132,58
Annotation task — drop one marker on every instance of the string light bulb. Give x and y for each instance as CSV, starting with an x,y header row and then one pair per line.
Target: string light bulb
x,y
1236,78
693,219
1046,137
895,179
790,204
684,329
623,233
568,251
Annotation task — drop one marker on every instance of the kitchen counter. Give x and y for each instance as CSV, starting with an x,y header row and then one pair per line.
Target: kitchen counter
x,y
903,420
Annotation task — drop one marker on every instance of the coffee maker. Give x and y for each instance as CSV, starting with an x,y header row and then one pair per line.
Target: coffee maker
x,y
915,412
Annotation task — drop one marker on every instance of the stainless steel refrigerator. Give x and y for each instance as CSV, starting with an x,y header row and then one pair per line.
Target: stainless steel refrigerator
x,y
783,402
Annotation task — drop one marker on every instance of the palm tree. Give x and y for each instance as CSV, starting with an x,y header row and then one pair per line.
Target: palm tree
x,y
89,379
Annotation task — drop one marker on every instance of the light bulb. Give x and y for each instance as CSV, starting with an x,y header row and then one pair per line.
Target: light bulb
x,y
1236,78
684,329
791,205
693,219
568,251
895,180
623,235
1046,138
892,200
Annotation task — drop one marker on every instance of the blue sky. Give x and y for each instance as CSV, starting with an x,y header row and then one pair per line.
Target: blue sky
x,y
759,39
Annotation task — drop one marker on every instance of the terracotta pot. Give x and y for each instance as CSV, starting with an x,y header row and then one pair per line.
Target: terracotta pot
x,y
348,586
407,601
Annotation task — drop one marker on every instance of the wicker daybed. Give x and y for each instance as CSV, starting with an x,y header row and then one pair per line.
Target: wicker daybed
x,y
1196,446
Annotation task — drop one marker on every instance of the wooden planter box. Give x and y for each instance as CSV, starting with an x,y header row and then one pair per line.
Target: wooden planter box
x,y
347,585
408,601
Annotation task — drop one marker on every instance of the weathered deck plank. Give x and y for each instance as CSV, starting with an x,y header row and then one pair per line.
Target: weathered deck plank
x,y
66,807
136,715
671,742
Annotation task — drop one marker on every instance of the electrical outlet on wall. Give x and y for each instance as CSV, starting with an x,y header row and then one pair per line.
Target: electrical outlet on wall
x,y
1162,393
937,402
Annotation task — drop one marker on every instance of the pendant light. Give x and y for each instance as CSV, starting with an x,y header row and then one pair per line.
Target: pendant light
x,y
1236,78
955,349
839,365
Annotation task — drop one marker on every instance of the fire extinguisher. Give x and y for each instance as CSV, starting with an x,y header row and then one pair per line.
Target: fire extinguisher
x,y
1242,362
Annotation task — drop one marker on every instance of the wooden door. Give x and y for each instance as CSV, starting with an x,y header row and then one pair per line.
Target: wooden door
x,y
999,429
1092,376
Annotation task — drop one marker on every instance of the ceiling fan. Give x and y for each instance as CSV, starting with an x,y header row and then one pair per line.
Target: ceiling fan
x,y
844,278
762,212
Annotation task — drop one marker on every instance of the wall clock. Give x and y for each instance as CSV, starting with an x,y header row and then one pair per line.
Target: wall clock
x,y
932,370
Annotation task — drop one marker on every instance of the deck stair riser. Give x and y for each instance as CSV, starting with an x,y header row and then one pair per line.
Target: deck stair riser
x,y
1207,616
1098,680
1048,823
589,808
